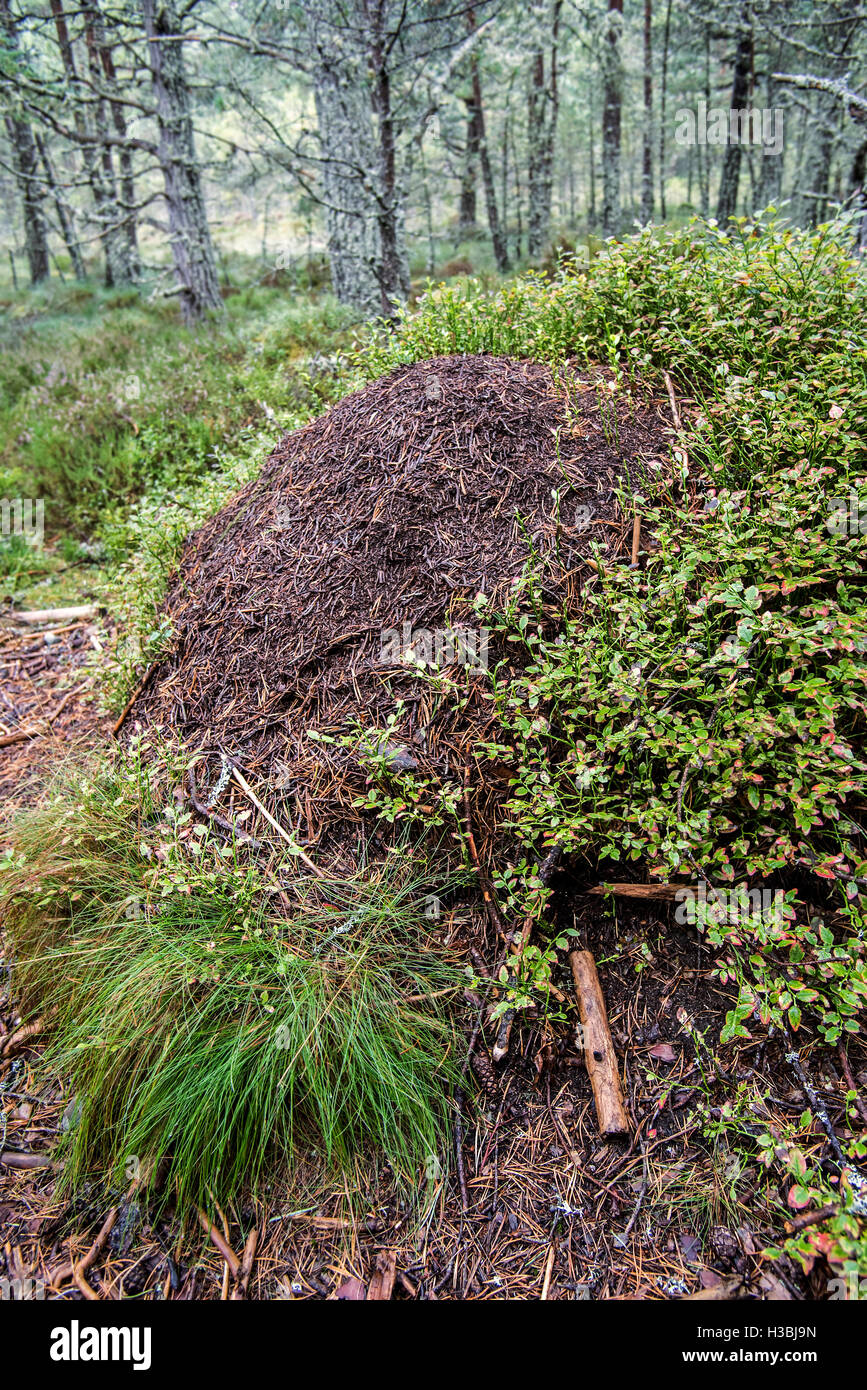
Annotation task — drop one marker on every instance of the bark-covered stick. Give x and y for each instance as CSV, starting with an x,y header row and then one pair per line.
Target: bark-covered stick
x,y
598,1047
52,615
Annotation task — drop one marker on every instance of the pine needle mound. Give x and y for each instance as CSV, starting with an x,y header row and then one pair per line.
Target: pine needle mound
x,y
388,514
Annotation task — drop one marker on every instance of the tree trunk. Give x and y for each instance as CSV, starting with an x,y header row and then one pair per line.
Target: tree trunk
x,y
192,251
127,180
542,111
611,118
647,147
519,198
501,255
663,93
347,148
741,82
393,267
114,238
467,213
858,196
105,214
24,156
64,213
771,169
504,181
704,157
591,214
25,164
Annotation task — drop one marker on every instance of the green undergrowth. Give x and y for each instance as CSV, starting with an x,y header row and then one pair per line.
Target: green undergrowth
x,y
700,720
103,400
705,715
219,1014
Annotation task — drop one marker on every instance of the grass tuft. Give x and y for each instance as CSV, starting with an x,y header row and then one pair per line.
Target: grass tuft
x,y
201,1022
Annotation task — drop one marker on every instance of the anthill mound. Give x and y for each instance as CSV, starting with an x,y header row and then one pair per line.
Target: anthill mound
x,y
388,514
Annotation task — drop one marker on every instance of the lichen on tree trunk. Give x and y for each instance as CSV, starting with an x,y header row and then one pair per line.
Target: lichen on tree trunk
x,y
192,249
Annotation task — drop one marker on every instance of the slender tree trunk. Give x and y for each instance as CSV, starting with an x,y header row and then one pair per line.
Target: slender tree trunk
x,y
344,122
663,94
702,174
64,214
647,145
467,212
611,120
114,238
741,82
501,255
704,187
591,215
858,195
24,156
771,168
393,264
27,176
542,112
192,250
105,215
127,180
519,198
504,180
428,217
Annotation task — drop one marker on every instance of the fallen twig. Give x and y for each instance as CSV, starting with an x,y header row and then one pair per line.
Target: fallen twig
x,y
598,1047
249,1255
118,723
679,453
53,615
21,1036
220,1242
381,1285
813,1218
293,845
816,1104
459,1149
659,892
13,1159
220,821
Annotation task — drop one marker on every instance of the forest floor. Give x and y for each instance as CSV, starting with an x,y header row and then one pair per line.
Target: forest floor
x,y
546,1209
740,1176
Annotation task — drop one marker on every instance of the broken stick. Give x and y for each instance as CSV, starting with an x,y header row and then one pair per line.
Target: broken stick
x,y
52,615
652,892
598,1046
679,453
295,848
636,539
